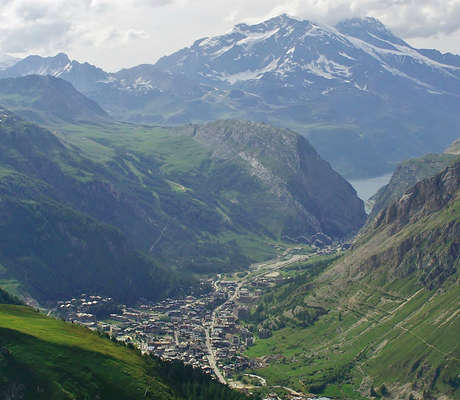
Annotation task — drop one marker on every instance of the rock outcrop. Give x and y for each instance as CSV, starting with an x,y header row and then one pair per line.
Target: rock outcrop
x,y
304,185
406,175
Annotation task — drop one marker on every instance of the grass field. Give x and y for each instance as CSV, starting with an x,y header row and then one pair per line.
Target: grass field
x,y
101,143
366,341
68,359
383,330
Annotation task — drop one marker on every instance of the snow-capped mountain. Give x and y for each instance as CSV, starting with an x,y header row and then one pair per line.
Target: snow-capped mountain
x,y
365,97
297,53
36,65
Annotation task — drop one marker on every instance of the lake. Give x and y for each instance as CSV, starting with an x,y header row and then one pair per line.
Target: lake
x,y
366,188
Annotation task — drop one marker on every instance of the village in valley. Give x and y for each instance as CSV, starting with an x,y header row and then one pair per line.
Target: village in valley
x,y
203,331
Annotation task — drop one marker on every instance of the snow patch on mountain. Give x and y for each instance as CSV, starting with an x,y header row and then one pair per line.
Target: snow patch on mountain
x,y
328,69
345,55
222,51
256,37
250,74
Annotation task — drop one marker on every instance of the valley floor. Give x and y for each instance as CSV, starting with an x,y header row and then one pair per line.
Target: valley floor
x,y
204,331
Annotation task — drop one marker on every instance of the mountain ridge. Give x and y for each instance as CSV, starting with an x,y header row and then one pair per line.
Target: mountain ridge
x,y
382,319
353,89
295,178
407,174
46,99
161,195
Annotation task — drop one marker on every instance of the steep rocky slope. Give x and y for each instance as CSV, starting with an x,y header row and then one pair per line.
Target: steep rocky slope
x,y
416,235
383,320
406,175
306,188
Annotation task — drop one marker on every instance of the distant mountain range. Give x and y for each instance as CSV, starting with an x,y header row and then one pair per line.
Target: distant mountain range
x,y
365,98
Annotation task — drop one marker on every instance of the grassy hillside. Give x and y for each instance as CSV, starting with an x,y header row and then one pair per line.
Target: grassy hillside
x,y
50,249
56,252
183,201
389,319
251,178
195,199
43,358
57,206
46,98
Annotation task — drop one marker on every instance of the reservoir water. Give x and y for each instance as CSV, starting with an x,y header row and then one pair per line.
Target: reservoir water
x,y
366,188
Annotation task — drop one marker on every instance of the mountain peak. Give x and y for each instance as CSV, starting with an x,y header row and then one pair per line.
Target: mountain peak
x,y
368,29
280,21
366,22
37,65
60,58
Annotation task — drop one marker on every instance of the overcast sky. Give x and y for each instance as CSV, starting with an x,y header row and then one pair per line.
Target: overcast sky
x,y
121,33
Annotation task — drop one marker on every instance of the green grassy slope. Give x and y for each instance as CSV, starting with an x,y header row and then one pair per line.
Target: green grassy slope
x,y
391,313
43,358
193,206
49,249
204,210
45,98
56,252
48,191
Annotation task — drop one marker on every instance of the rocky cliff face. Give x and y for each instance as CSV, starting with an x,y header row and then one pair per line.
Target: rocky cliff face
x,y
406,175
426,197
398,289
417,236
305,186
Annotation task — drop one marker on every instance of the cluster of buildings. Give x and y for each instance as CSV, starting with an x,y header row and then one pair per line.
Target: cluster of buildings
x,y
228,339
85,310
203,331
173,329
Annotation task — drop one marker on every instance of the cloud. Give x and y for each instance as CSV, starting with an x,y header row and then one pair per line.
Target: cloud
x,y
143,30
42,26
408,18
152,3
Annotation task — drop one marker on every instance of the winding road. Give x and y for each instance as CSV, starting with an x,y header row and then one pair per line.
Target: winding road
x,y
256,270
